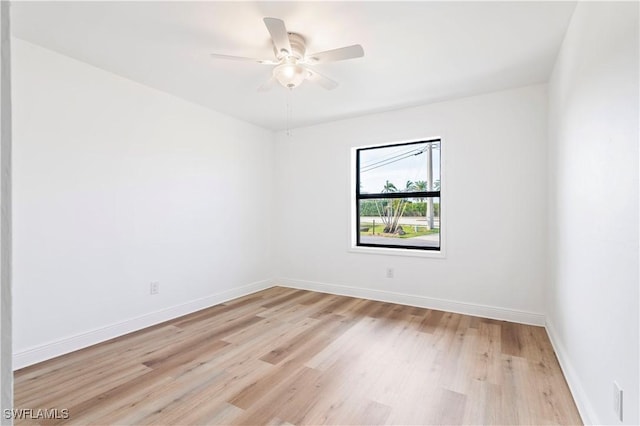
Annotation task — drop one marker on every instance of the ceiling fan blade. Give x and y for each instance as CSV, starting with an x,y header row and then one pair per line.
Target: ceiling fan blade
x,y
243,59
279,35
267,85
348,52
321,80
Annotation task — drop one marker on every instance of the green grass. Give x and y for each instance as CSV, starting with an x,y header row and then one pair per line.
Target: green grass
x,y
409,229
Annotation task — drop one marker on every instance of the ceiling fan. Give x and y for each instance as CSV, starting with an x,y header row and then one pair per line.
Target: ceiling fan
x,y
291,61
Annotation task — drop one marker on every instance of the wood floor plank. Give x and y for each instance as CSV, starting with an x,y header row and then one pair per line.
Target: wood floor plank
x,y
485,404
345,346
280,352
488,352
431,320
451,408
210,414
90,385
289,396
81,362
289,297
292,357
330,309
297,311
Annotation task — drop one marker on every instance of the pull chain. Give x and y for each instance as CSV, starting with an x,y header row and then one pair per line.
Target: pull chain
x,y
288,112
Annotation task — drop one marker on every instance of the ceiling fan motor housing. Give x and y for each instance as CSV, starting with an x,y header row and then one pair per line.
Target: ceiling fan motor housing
x,y
298,48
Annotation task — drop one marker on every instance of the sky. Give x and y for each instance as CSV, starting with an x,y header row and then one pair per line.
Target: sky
x,y
397,164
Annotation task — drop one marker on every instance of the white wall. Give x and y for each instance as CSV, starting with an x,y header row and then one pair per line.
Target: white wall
x,y
593,164
494,191
117,185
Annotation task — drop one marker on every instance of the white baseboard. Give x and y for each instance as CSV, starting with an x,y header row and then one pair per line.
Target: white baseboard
x,y
73,343
582,402
484,311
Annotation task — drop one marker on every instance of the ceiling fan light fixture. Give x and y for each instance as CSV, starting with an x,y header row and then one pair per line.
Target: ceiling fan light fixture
x,y
290,75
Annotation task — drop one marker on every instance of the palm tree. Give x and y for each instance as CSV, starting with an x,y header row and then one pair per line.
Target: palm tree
x,y
389,187
384,211
401,205
395,207
421,185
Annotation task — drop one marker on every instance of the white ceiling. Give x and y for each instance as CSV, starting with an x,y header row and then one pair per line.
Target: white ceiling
x,y
415,52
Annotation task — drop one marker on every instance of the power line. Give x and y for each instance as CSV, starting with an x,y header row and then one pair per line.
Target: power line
x,y
365,165
393,159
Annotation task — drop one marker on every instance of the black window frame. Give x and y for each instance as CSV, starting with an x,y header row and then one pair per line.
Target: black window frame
x,y
394,195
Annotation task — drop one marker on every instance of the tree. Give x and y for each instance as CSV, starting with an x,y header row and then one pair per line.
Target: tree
x,y
393,208
421,186
389,187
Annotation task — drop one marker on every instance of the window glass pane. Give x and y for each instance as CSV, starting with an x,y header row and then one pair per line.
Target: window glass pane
x,y
400,222
400,168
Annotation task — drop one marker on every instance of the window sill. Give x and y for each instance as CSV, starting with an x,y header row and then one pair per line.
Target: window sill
x,y
433,254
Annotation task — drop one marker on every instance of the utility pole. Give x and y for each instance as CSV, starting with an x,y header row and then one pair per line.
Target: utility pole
x,y
430,185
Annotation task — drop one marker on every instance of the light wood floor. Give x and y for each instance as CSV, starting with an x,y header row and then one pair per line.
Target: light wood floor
x,y
285,356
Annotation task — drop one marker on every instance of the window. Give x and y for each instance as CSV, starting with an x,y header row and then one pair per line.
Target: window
x,y
398,196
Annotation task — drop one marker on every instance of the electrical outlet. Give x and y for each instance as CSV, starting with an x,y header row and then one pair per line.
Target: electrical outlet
x,y
390,272
617,400
154,288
